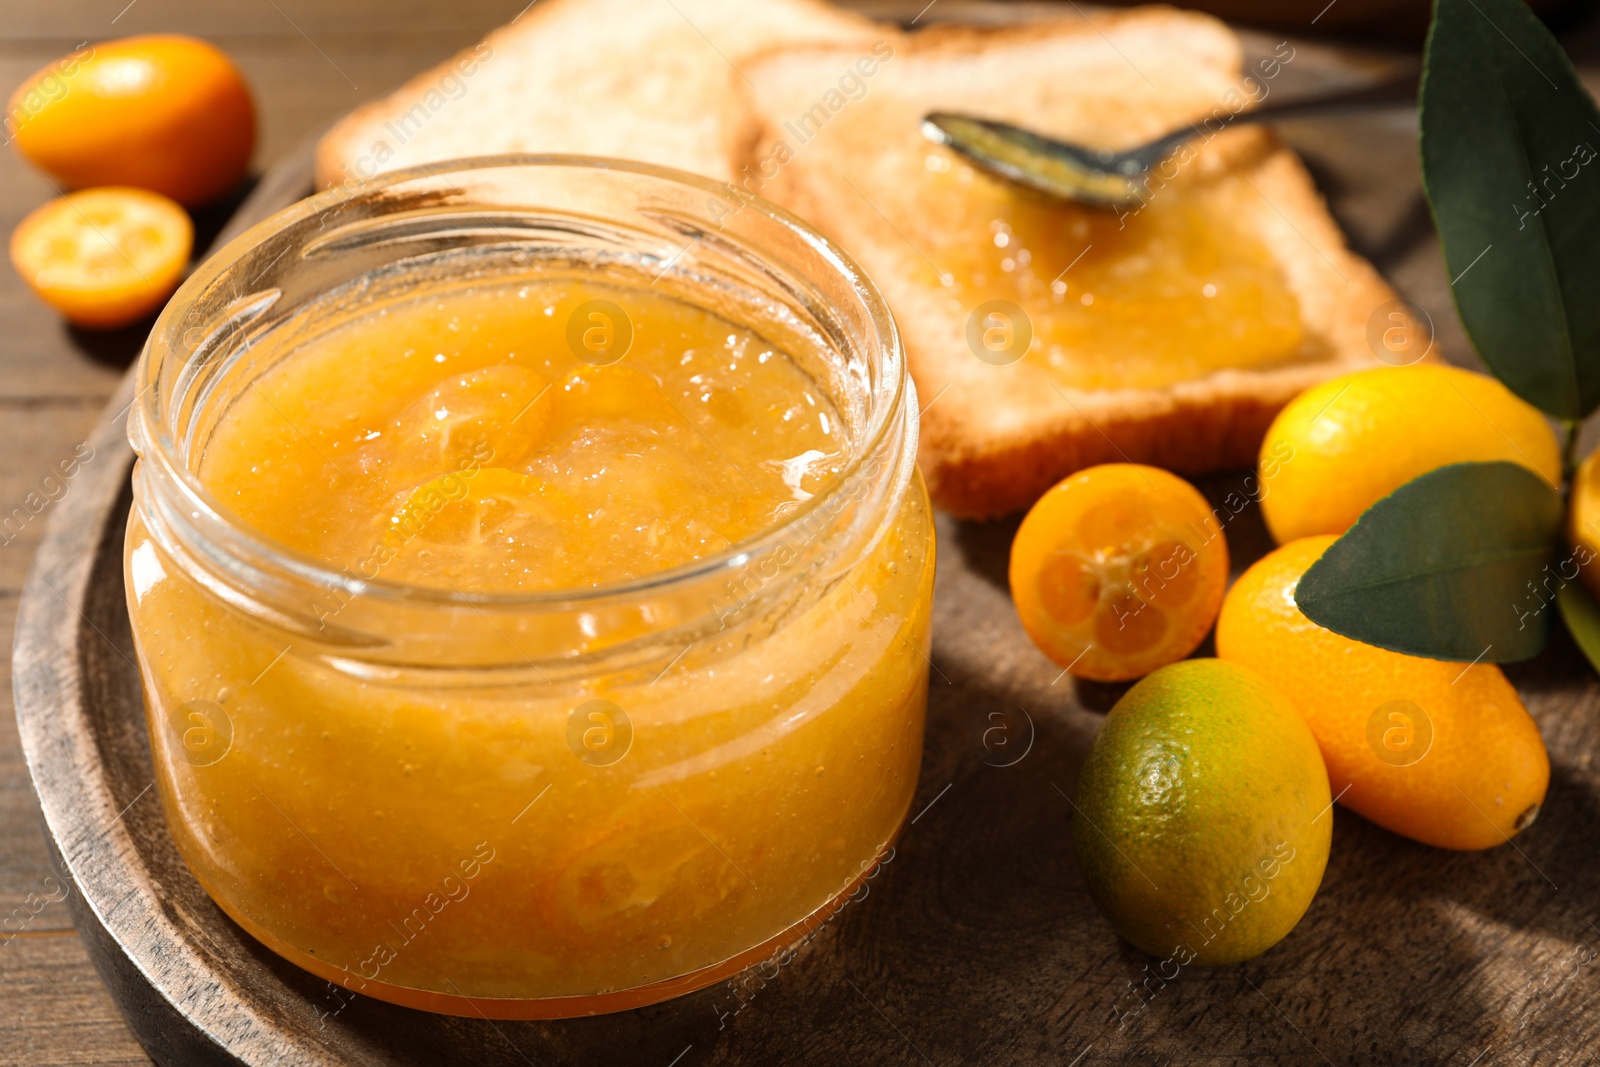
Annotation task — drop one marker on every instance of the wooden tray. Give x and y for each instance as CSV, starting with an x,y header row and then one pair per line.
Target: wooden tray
x,y
977,943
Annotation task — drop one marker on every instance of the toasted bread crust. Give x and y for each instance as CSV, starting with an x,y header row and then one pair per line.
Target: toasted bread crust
x,y
995,438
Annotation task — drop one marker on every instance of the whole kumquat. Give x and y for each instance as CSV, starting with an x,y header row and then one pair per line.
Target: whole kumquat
x,y
1118,570
1440,752
161,112
1583,522
104,258
1202,822
1341,446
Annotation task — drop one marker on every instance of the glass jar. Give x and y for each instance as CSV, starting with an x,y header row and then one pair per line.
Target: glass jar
x,y
547,804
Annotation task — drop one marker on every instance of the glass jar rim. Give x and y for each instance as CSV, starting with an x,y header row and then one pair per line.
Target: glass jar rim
x,y
155,443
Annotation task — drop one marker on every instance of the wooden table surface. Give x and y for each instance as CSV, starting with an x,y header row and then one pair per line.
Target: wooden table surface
x,y
308,62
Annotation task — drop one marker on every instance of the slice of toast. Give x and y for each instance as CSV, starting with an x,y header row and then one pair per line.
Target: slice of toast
x,y
650,80
1171,377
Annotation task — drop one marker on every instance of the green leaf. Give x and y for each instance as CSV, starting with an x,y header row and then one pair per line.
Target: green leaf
x,y
1448,566
1582,616
1511,164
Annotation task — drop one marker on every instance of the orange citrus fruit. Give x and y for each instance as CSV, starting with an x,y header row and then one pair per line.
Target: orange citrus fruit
x,y
1203,816
1343,445
104,258
161,112
1583,524
1441,752
1118,570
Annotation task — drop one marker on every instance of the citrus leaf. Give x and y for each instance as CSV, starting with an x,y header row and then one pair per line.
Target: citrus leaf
x,y
1582,615
1447,566
1511,164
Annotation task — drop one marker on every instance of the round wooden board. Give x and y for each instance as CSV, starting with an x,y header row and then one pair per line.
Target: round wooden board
x,y
977,943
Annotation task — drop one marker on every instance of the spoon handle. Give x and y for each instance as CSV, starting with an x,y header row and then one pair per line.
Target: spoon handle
x,y
1398,87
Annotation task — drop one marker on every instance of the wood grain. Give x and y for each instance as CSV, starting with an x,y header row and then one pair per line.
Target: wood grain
x,y
977,944
58,1011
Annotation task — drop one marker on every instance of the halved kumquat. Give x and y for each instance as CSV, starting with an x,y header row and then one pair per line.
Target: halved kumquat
x,y
1119,570
104,258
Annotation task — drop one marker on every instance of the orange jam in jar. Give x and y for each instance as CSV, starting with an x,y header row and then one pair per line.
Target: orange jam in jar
x,y
531,584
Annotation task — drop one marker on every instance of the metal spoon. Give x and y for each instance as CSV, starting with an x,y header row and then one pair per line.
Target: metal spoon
x,y
1104,178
